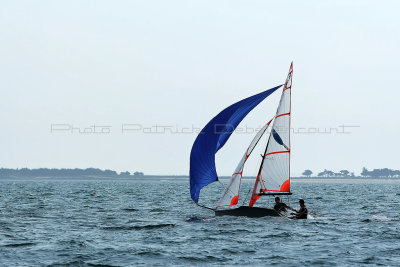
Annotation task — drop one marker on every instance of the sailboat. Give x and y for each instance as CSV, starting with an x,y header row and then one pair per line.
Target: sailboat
x,y
273,177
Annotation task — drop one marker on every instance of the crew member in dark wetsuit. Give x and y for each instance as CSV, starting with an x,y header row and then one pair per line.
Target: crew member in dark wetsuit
x,y
303,212
280,206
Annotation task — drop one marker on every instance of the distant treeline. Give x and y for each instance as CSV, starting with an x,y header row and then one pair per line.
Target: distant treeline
x,y
94,172
67,173
380,173
376,173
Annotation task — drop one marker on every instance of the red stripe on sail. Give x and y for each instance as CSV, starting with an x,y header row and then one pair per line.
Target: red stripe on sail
x,y
277,152
284,114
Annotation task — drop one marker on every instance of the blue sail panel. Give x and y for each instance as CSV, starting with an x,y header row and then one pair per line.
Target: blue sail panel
x,y
213,137
277,138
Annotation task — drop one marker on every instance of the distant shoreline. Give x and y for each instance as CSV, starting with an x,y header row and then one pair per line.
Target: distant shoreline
x,y
183,177
98,174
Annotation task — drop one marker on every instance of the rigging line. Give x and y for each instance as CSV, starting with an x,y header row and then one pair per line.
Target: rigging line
x,y
247,195
262,162
227,187
204,206
221,183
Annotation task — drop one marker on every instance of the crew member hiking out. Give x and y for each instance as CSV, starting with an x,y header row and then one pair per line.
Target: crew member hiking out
x,y
280,206
303,212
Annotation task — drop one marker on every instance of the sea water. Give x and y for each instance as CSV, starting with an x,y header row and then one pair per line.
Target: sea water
x,y
130,222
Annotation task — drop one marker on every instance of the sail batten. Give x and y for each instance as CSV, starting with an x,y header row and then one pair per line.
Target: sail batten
x,y
213,137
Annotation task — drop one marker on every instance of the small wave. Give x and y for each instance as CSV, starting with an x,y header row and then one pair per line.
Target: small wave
x,y
320,223
70,263
9,236
148,253
136,227
130,210
81,263
156,210
231,251
241,231
381,218
367,260
273,257
101,265
20,245
191,258
207,258
377,218
279,235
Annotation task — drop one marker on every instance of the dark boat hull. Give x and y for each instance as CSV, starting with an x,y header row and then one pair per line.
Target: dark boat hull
x,y
246,211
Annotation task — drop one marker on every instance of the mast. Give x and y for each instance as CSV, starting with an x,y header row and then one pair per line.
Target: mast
x,y
290,107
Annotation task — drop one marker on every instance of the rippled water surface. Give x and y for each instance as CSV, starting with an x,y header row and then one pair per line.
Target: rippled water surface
x,y
124,222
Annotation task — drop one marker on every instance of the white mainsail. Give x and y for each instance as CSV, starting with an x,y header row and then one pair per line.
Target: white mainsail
x,y
230,197
274,174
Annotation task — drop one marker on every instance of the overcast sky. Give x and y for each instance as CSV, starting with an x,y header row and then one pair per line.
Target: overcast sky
x,y
75,64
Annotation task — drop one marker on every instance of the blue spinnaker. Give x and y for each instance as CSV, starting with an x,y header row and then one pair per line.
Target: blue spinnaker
x,y
213,137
